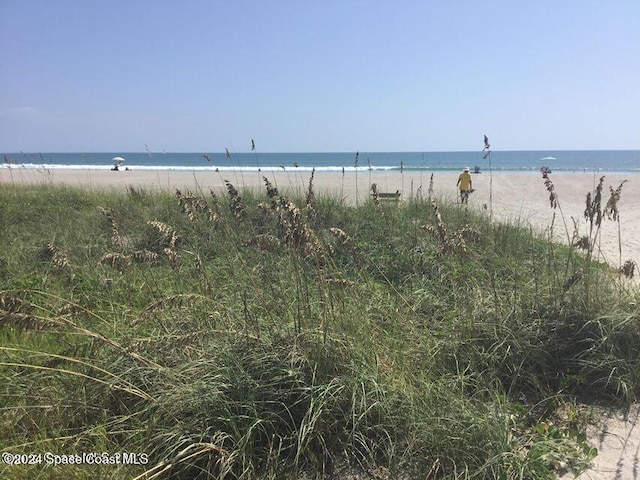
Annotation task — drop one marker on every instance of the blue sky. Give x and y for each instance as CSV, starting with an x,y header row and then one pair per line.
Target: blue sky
x,y
401,75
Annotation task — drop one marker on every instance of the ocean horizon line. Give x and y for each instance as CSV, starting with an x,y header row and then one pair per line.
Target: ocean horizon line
x,y
305,152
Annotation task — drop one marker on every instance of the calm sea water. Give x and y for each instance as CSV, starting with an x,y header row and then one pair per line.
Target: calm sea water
x,y
524,161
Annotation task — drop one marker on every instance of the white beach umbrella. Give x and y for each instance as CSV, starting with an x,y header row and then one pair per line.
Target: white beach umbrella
x,y
548,158
117,160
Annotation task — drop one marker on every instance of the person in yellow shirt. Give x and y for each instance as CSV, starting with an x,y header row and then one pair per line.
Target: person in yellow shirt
x,y
465,184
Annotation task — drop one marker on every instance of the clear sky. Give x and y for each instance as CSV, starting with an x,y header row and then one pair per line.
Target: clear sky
x,y
318,76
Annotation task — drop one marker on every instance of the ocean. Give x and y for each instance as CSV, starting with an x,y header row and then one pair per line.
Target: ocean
x,y
564,161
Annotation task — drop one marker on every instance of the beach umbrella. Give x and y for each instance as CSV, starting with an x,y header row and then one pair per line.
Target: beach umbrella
x,y
548,158
117,160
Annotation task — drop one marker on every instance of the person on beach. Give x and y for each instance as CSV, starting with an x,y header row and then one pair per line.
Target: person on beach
x,y
465,184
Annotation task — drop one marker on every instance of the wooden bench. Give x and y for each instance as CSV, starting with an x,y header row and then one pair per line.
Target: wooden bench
x,y
375,193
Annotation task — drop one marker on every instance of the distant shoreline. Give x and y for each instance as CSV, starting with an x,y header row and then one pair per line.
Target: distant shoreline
x,y
308,169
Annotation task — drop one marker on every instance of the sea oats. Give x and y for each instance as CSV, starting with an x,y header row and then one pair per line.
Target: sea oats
x,y
264,241
235,202
14,304
310,200
266,209
214,212
593,208
611,208
628,269
430,191
342,237
59,259
115,260
553,196
470,233
19,313
116,238
172,256
168,236
450,243
144,256
271,190
580,241
194,208
294,231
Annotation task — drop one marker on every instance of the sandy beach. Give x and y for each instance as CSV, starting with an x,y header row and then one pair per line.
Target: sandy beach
x,y
520,197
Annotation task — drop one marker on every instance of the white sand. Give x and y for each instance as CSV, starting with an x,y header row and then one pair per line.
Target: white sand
x,y
617,438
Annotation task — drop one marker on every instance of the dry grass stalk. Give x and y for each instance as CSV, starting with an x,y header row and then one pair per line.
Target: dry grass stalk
x,y
136,192
115,260
611,209
22,321
168,236
469,233
235,202
265,209
295,232
194,207
577,240
555,204
580,241
172,256
216,214
430,191
173,302
449,243
116,238
59,259
628,268
341,282
312,214
69,309
593,208
272,191
195,450
144,256
553,196
265,242
197,263
342,237
11,303
441,228
17,312
171,342
121,261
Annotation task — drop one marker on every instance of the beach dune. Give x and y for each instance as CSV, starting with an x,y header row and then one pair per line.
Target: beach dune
x,y
520,198
514,197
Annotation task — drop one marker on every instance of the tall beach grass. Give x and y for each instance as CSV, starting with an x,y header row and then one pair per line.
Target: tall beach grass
x,y
246,334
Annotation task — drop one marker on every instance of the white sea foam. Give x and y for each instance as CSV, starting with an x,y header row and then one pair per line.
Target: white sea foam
x,y
226,168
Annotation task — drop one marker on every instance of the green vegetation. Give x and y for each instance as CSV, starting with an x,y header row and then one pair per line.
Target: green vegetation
x,y
247,335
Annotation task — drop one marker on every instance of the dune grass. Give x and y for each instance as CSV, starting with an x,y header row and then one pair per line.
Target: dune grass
x,y
243,334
